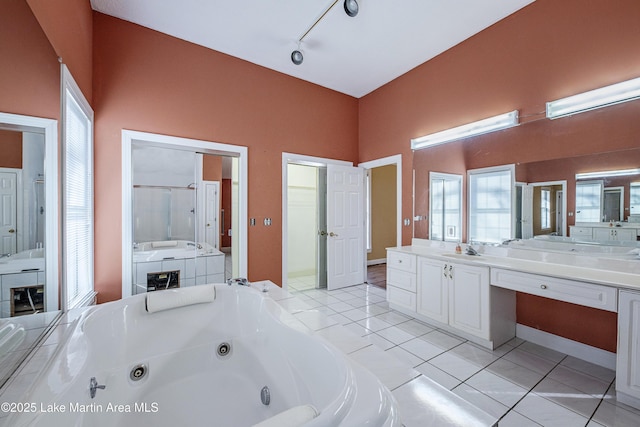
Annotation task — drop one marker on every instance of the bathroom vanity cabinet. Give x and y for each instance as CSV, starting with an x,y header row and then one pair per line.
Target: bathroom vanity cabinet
x,y
454,296
601,232
474,297
614,234
628,353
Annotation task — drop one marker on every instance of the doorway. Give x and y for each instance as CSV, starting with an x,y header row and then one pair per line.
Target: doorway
x,y
613,204
288,158
198,150
307,226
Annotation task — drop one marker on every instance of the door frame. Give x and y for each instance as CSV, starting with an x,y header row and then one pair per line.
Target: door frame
x,y
298,159
196,145
386,161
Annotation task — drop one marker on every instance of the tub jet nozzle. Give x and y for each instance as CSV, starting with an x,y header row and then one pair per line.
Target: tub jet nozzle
x,y
265,396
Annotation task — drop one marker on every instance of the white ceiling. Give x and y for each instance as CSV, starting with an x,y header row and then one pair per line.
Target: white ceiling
x,y
350,55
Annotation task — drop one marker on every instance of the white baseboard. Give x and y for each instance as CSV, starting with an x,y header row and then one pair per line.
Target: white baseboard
x,y
586,352
376,261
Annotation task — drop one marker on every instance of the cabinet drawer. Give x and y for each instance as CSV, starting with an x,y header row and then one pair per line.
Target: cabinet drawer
x,y
401,279
401,261
401,297
584,232
581,293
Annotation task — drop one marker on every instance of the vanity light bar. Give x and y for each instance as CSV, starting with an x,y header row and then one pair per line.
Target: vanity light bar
x,y
606,174
492,124
597,98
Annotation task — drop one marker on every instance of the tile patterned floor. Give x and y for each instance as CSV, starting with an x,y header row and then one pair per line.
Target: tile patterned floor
x,y
518,384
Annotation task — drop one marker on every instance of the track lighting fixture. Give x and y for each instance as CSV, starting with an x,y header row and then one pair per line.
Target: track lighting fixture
x,y
297,57
351,8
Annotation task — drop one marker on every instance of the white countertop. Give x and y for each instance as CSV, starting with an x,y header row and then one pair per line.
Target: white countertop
x,y
620,273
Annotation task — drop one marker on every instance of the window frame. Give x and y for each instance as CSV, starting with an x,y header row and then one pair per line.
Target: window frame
x,y
471,174
71,93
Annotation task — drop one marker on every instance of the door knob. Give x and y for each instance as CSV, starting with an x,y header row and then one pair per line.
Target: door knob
x,y
322,233
332,234
12,231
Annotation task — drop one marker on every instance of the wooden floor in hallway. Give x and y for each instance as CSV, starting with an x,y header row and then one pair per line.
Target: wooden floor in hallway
x,y
377,275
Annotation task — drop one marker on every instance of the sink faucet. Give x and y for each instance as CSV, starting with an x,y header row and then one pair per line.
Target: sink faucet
x,y
471,251
94,386
239,281
7,255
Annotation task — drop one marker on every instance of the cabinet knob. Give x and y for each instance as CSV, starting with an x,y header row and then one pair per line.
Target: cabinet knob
x,y
399,261
543,286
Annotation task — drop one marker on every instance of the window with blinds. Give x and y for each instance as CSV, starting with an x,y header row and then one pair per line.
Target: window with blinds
x,y
589,195
78,195
490,204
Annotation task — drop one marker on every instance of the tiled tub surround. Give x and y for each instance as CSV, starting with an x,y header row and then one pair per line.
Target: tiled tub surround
x,y
481,303
187,380
196,266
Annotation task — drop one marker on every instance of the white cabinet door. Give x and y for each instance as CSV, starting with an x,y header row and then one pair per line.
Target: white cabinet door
x,y
432,292
469,304
625,234
602,234
628,354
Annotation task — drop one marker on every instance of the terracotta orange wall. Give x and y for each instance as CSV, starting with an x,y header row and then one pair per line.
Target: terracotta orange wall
x,y
225,240
147,81
30,73
548,50
211,168
69,26
11,149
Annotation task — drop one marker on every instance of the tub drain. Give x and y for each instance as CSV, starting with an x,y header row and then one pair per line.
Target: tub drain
x,y
224,349
138,372
265,396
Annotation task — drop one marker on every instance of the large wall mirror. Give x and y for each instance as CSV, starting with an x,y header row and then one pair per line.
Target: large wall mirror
x,y
547,198
30,87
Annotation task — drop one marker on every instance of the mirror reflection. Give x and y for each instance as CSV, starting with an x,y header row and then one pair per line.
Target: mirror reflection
x,y
22,210
546,198
30,84
182,210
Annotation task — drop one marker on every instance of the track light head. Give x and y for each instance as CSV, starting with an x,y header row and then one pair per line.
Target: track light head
x,y
296,57
351,7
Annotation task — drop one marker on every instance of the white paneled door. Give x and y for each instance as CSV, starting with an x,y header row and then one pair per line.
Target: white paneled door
x,y
8,218
527,211
345,226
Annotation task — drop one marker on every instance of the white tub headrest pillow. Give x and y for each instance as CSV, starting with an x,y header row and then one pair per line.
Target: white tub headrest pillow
x,y
165,244
174,298
293,417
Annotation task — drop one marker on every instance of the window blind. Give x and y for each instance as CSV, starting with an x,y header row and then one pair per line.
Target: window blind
x,y
78,201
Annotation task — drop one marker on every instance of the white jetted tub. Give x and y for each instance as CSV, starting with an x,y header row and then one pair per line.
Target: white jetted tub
x,y
171,249
237,360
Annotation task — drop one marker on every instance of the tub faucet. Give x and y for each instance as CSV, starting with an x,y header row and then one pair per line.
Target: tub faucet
x,y
94,386
239,281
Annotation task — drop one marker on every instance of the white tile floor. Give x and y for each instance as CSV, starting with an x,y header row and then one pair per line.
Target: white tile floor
x,y
518,384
